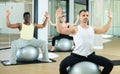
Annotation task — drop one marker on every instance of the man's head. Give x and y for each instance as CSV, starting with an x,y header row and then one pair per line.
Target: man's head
x,y
63,18
83,15
26,17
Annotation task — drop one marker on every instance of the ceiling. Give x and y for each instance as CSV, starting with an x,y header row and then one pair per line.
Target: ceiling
x,y
15,0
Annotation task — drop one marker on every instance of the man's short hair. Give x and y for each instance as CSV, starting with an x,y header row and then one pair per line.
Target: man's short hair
x,y
26,13
83,10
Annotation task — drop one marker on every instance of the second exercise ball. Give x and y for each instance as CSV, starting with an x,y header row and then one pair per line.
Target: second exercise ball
x,y
27,54
85,68
63,44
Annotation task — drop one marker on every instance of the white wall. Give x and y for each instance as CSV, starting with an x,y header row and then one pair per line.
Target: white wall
x,y
115,29
43,7
16,10
96,19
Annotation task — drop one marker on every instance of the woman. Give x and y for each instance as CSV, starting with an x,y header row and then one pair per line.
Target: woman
x,y
60,36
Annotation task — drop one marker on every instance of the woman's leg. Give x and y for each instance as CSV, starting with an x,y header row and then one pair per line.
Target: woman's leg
x,y
53,42
69,37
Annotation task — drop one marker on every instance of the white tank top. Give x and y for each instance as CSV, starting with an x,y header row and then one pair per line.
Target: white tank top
x,y
84,40
27,31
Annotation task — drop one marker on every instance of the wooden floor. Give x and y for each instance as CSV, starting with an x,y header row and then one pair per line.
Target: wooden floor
x,y
111,50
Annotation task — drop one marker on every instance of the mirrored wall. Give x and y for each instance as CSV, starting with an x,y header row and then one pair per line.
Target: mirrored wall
x,y
17,8
64,4
114,5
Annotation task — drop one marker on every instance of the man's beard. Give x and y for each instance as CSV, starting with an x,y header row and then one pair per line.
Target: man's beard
x,y
85,20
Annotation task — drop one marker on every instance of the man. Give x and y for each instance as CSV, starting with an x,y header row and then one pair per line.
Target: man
x,y
83,36
26,36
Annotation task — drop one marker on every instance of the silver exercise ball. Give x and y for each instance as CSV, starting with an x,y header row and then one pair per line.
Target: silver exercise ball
x,y
85,68
27,54
63,44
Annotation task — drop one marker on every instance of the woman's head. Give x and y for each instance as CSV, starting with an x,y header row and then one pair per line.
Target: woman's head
x,y
63,18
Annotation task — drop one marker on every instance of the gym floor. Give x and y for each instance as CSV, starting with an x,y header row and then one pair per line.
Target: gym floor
x,y
111,50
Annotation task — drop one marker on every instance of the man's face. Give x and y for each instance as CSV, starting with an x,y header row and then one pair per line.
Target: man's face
x,y
63,19
27,18
84,17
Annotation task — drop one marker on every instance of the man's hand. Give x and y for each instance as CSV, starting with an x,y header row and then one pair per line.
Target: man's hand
x,y
59,13
110,14
7,12
46,15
